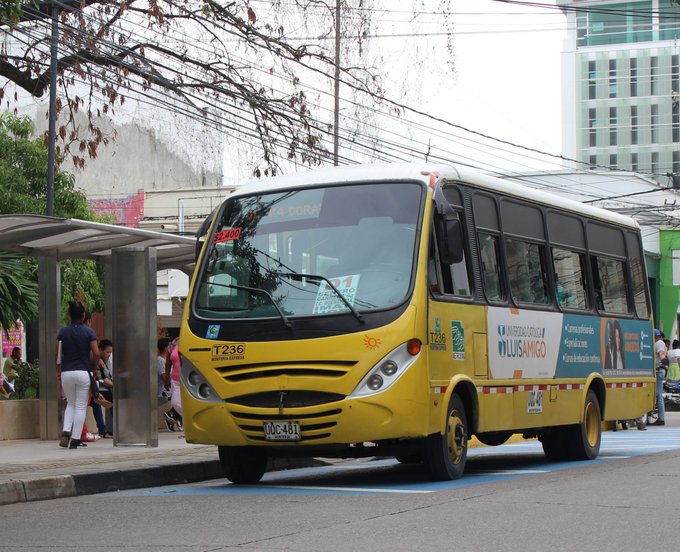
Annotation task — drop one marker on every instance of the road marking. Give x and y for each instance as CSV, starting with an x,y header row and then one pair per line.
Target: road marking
x,y
348,489
509,472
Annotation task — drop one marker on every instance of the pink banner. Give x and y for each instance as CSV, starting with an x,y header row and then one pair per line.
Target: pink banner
x,y
13,339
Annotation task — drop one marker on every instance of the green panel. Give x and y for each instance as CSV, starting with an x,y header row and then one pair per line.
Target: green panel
x,y
669,294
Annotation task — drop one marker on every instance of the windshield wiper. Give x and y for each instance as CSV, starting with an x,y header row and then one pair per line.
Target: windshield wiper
x,y
298,276
285,319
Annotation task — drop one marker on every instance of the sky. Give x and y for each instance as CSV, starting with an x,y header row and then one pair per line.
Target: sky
x,y
505,81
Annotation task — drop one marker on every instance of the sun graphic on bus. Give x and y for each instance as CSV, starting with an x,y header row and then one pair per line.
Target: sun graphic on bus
x,y
371,342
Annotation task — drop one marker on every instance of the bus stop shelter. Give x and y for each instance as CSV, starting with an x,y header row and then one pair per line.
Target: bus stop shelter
x,y
131,258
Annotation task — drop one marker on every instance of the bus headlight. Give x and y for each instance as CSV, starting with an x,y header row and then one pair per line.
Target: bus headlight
x,y
389,367
388,370
194,382
375,382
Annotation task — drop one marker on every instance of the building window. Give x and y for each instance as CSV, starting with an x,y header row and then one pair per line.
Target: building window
x,y
612,126
592,126
633,124
676,162
613,161
655,162
619,23
592,81
612,78
634,162
669,21
592,161
675,98
633,77
654,123
653,75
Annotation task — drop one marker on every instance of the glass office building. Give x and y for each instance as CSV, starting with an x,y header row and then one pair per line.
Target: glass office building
x,y
622,111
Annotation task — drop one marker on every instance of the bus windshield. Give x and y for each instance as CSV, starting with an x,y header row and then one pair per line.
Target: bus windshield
x,y
311,252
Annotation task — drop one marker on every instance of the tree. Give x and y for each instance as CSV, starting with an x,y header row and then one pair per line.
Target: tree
x,y
23,187
18,290
190,56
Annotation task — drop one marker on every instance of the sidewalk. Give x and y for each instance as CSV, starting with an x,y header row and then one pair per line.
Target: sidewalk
x,y
31,469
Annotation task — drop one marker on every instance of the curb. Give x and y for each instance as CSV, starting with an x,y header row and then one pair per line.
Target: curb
x,y
65,486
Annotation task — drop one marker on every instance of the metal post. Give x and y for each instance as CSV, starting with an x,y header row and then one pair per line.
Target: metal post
x,y
135,377
52,129
49,291
336,123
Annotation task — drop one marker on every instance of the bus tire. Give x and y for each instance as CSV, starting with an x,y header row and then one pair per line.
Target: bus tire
x,y
445,455
243,464
409,458
586,436
493,438
554,441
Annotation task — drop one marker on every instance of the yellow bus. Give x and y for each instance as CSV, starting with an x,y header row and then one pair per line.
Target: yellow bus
x,y
399,310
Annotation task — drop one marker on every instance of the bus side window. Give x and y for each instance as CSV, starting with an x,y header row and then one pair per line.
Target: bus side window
x,y
570,288
610,284
526,271
491,275
455,279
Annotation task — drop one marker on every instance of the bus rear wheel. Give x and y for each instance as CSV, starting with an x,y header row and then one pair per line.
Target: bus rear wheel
x,y
555,443
446,455
579,441
586,436
243,464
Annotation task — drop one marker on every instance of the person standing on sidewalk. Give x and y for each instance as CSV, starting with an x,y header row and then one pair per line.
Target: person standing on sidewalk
x,y
172,370
661,364
77,344
164,393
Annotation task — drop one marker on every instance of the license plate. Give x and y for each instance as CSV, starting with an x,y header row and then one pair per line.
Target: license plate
x,y
281,431
535,402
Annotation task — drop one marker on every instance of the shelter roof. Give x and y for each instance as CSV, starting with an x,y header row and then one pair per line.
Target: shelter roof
x,y
42,236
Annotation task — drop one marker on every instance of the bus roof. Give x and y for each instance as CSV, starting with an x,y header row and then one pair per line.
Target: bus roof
x,y
423,172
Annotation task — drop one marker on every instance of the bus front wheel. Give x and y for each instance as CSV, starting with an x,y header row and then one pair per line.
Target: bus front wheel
x,y
445,455
243,464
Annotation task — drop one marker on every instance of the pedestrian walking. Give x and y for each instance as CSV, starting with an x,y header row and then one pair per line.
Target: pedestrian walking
x,y
76,351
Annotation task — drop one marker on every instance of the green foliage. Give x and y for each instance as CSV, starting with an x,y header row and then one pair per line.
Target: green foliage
x,y
27,381
18,289
83,280
23,189
10,11
23,174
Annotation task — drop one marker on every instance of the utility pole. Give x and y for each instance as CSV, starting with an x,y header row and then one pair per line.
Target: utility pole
x,y
52,129
336,123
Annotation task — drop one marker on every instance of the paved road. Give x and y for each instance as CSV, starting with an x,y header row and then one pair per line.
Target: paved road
x,y
511,499
387,476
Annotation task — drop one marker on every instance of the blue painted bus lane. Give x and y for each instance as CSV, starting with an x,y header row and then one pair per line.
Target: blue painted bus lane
x,y
386,476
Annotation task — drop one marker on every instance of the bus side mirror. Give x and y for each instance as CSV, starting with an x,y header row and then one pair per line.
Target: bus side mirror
x,y
449,239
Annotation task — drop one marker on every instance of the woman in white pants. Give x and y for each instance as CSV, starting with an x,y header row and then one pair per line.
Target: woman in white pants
x,y
77,344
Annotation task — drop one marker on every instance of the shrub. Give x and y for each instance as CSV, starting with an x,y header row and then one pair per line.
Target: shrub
x,y
27,380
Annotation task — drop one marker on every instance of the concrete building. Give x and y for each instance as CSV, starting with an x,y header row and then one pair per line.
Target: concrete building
x,y
621,93
621,76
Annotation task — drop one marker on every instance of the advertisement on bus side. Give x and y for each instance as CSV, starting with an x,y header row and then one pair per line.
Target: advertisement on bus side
x,y
534,344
